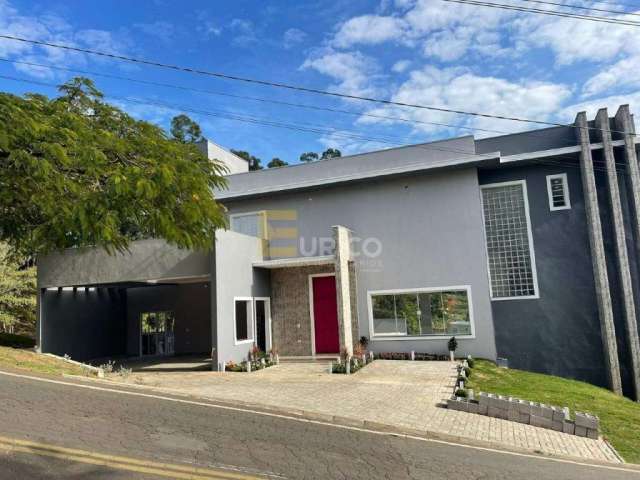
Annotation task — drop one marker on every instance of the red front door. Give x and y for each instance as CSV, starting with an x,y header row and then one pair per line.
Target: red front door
x,y
325,315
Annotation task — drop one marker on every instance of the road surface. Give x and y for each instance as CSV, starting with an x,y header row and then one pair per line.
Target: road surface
x,y
51,428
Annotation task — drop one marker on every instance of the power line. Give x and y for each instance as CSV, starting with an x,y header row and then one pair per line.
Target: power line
x,y
578,7
286,85
296,127
503,6
246,97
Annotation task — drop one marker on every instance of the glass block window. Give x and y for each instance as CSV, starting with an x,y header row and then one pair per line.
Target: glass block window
x,y
249,223
429,312
558,190
508,236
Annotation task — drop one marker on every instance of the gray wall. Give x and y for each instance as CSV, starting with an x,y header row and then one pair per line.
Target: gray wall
x,y
430,228
236,277
146,259
191,306
84,325
559,333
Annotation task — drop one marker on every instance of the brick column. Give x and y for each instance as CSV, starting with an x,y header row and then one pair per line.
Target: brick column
x,y
622,255
596,243
342,238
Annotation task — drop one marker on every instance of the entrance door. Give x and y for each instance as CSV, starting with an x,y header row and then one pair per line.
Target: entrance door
x,y
156,333
325,314
263,323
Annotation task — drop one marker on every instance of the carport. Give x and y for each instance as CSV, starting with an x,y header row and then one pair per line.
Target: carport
x,y
152,301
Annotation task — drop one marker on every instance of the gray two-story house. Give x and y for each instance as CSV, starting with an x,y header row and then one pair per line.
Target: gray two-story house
x,y
523,246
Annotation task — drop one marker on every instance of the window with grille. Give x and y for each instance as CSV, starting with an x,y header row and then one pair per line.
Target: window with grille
x,y
509,242
558,190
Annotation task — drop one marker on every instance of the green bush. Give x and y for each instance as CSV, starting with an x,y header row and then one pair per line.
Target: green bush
x,y
16,341
461,392
467,371
470,361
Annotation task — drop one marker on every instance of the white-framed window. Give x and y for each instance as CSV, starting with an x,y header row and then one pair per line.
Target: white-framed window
x,y
510,253
558,191
421,313
251,223
243,319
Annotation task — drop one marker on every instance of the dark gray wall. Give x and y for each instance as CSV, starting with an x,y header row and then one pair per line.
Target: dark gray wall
x,y
191,306
145,260
84,325
559,333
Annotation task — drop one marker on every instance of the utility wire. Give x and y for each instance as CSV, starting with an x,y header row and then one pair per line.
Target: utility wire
x,y
285,85
578,7
296,127
246,97
504,6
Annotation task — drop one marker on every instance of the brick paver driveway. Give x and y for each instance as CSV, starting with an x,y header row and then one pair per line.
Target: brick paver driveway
x,y
404,394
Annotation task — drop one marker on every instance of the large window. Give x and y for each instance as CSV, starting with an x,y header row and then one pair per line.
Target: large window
x,y
243,320
509,241
252,224
423,312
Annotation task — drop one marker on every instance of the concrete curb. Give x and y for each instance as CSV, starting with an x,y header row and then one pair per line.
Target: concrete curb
x,y
373,426
98,371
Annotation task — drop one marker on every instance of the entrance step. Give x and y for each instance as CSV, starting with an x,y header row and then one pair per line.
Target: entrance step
x,y
318,359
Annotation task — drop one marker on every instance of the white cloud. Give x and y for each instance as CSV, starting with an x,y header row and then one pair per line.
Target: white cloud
x,y
243,31
293,37
623,73
51,28
460,89
369,30
611,102
160,29
354,72
401,66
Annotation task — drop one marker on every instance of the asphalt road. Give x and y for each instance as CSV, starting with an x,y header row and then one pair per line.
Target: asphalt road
x,y
107,426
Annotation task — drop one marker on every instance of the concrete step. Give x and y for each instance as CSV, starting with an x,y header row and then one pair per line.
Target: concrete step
x,y
321,360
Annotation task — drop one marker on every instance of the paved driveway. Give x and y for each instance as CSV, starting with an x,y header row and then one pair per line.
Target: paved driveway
x,y
404,394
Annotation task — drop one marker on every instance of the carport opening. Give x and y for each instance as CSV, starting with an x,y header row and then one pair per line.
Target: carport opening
x,y
124,321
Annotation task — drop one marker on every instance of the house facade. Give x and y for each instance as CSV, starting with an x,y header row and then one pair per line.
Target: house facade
x,y
523,246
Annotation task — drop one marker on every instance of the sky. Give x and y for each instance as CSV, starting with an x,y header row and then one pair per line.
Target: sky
x,y
426,52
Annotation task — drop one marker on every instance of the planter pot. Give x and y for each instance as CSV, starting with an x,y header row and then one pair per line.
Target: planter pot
x,y
452,356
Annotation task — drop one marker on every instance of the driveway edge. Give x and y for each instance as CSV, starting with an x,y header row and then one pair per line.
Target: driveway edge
x,y
376,427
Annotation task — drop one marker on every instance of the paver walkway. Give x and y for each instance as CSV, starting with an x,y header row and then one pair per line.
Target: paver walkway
x,y
404,394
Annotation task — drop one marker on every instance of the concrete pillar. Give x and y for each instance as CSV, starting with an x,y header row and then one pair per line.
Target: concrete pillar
x,y
622,255
596,243
342,238
624,123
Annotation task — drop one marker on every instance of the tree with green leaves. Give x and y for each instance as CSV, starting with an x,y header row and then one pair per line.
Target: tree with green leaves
x,y
330,153
276,162
308,157
254,162
17,294
76,171
185,130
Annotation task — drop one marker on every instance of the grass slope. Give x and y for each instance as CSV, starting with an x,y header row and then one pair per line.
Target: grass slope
x,y
34,362
619,416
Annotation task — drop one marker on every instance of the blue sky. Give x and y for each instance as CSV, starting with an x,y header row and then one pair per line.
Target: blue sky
x,y
419,51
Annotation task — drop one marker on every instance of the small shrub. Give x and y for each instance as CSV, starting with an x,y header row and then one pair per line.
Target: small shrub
x,y
461,392
364,341
452,344
108,367
16,341
470,361
124,372
467,371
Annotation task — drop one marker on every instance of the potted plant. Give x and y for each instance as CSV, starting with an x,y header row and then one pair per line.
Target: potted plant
x,y
452,344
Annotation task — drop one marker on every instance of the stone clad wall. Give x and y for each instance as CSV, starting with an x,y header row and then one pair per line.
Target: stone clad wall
x,y
290,314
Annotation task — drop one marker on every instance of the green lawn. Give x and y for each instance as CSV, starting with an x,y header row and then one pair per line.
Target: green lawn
x,y
25,359
619,416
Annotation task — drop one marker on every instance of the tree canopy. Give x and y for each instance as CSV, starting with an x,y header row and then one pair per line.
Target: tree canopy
x,y
76,171
276,162
308,157
330,153
17,294
185,130
254,162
